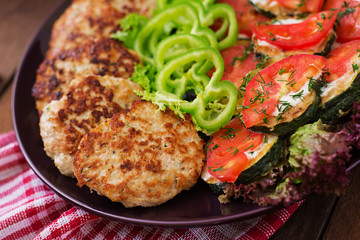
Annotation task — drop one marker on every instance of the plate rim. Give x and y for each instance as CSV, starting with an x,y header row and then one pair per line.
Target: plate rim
x,y
198,222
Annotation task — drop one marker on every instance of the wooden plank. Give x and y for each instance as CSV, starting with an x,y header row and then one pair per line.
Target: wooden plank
x,y
345,222
19,20
309,220
5,111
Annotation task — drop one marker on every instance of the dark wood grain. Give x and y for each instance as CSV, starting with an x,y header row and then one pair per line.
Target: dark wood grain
x,y
310,219
19,19
345,222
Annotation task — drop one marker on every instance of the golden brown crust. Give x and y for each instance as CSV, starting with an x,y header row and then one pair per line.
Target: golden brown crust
x,y
94,19
102,57
80,44
140,157
86,104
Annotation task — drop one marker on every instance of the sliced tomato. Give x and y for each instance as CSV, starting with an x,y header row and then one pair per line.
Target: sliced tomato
x,y
245,15
265,89
333,4
311,6
238,62
339,61
226,157
349,22
301,35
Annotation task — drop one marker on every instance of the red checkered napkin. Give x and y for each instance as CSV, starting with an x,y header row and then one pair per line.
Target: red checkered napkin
x,y
30,210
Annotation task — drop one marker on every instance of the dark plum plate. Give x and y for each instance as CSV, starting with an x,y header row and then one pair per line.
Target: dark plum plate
x,y
196,207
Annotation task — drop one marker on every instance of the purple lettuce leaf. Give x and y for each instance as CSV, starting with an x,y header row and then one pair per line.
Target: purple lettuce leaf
x,y
353,126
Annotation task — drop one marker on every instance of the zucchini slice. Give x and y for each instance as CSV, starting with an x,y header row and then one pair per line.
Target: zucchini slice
x,y
291,124
343,82
268,157
262,159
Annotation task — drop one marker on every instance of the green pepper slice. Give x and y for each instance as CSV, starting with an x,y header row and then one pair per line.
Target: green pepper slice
x,y
177,18
208,14
215,103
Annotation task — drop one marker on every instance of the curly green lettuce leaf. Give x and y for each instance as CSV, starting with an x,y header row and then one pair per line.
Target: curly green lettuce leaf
x,y
145,77
163,101
130,25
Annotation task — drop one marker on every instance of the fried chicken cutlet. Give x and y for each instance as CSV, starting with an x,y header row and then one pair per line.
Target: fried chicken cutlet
x,y
80,44
92,19
141,156
86,104
102,57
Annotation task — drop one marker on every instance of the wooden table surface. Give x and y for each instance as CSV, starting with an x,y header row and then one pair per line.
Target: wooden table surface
x,y
319,217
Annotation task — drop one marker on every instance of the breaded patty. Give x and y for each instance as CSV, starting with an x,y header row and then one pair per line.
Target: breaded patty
x,y
80,44
104,56
94,19
140,157
87,103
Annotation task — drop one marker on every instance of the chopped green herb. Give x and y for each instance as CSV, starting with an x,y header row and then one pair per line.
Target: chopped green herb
x,y
298,95
355,67
347,11
217,169
215,147
252,145
229,133
282,70
312,83
233,149
320,26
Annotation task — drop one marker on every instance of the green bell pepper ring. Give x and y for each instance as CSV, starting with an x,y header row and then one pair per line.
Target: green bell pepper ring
x,y
209,13
181,15
175,45
229,25
161,4
215,103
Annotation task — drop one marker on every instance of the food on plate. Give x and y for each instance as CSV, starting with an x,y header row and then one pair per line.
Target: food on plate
x,y
169,45
285,95
238,62
316,163
237,155
245,14
187,17
343,81
353,126
141,156
80,44
102,57
94,20
284,37
277,119
276,8
87,102
348,22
